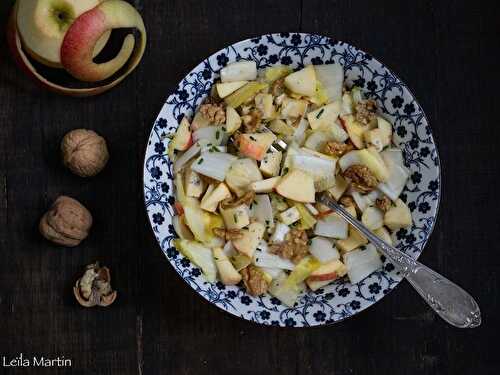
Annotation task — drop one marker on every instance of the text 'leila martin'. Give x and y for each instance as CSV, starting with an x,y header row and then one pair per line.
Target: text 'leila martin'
x,y
35,361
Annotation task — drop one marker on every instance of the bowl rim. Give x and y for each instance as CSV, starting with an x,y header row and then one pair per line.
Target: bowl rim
x,y
424,245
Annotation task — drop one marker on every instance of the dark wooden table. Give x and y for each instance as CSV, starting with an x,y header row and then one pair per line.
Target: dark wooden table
x,y
447,53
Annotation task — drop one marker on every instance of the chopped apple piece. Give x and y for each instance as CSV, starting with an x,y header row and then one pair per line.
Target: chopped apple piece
x,y
181,228
372,159
381,136
220,193
240,261
199,121
325,274
241,174
227,272
384,125
384,235
290,216
236,217
303,270
373,218
324,117
202,223
194,185
255,145
302,82
270,164
239,71
354,241
233,120
265,186
354,129
200,255
250,240
293,108
183,138
398,216
298,186
339,188
225,89
281,127
264,103
209,191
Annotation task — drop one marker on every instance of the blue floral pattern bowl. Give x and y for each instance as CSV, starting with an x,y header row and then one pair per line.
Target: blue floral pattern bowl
x,y
412,134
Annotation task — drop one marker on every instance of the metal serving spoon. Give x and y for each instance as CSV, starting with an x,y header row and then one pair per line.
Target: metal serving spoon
x,y
446,298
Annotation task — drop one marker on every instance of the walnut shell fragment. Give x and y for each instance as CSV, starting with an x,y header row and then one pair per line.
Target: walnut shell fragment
x,y
84,152
94,287
66,223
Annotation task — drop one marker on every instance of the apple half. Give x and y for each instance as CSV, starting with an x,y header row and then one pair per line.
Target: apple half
x,y
119,11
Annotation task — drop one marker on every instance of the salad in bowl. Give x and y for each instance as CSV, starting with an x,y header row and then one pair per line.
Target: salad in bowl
x,y
245,163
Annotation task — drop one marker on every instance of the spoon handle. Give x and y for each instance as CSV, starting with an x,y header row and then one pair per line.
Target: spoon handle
x,y
447,299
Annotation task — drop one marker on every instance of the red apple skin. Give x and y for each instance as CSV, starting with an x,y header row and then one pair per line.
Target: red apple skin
x,y
323,277
84,33
178,208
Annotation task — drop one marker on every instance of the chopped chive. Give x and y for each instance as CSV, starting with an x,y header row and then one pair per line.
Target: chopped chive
x,y
285,171
267,222
320,113
217,134
235,217
200,161
253,139
309,242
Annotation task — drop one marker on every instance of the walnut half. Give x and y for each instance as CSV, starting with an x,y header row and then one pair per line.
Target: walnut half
x,y
294,247
254,280
366,111
361,177
337,148
383,204
94,287
215,113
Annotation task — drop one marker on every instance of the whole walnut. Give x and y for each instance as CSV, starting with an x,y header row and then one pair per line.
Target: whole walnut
x,y
84,152
66,223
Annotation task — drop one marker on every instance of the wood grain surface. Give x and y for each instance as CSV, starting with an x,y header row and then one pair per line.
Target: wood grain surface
x,y
447,53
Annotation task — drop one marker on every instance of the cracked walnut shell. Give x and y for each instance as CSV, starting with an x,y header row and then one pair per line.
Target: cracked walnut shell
x,y
94,287
66,223
84,152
